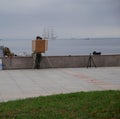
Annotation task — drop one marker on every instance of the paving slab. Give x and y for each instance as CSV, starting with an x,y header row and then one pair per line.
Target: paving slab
x,y
19,84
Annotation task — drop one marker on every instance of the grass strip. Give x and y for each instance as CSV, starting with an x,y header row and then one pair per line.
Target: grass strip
x,y
80,105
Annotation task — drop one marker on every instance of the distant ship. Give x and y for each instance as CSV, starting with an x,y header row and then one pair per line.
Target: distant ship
x,y
87,39
49,34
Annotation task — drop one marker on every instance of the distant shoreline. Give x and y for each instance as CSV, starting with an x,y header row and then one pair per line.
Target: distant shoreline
x,y
66,46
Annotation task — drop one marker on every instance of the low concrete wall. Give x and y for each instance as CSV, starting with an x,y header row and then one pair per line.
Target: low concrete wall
x,y
61,61
17,63
64,61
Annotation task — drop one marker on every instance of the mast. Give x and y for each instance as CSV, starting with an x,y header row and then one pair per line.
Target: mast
x,y
49,33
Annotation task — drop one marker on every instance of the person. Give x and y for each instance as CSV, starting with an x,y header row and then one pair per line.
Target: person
x,y
38,60
7,52
37,57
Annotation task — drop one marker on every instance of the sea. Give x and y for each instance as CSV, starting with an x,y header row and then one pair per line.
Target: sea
x,y
66,47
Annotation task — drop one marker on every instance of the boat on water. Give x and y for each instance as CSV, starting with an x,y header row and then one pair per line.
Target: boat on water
x,y
49,34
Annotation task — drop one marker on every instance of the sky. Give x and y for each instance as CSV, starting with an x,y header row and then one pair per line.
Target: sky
x,y
68,18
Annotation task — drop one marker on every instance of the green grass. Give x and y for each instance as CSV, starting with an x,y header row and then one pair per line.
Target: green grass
x,y
81,105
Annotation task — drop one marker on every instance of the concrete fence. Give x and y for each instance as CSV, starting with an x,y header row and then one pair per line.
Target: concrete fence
x,y
61,61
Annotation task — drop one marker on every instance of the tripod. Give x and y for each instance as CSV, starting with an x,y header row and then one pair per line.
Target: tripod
x,y
90,60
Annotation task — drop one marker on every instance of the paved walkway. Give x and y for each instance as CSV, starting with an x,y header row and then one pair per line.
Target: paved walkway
x,y
17,84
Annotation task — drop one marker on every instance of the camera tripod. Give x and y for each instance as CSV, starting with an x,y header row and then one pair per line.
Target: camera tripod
x,y
90,60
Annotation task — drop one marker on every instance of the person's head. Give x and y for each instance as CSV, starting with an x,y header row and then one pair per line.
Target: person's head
x,y
38,38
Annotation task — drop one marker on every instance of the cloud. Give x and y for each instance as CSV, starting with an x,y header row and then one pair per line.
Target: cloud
x,y
67,16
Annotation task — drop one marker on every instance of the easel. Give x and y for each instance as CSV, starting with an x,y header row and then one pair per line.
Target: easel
x,y
90,60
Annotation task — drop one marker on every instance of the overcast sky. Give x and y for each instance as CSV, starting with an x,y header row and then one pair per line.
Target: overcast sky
x,y
68,18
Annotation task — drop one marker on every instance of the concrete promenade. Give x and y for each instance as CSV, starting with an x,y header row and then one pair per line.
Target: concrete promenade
x,y
18,84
